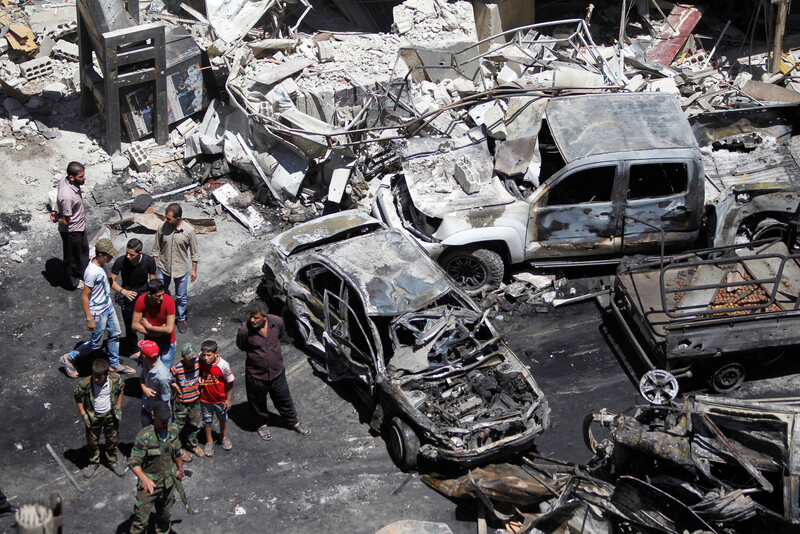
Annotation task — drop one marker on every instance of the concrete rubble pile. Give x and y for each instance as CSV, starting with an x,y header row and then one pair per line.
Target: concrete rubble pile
x,y
312,121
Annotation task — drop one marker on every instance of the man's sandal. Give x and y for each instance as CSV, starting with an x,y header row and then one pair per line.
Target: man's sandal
x,y
186,456
301,429
68,367
122,370
226,444
198,450
265,433
208,449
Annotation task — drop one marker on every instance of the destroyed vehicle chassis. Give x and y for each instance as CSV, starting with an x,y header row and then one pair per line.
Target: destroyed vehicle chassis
x,y
439,379
716,339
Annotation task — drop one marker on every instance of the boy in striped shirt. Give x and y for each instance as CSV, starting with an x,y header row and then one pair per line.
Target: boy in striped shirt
x,y
185,381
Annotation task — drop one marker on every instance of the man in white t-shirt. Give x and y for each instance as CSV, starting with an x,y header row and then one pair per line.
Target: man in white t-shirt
x,y
100,314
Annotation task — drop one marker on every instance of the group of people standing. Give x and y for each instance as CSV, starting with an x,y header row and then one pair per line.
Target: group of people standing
x,y
178,399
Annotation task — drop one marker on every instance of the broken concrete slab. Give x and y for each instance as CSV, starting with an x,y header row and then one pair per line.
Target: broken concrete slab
x,y
769,92
494,120
251,218
232,19
280,72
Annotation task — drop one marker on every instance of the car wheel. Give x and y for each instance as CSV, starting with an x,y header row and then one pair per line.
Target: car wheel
x,y
403,444
728,377
475,271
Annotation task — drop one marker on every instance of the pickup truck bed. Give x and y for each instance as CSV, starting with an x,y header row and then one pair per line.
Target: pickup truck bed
x,y
712,309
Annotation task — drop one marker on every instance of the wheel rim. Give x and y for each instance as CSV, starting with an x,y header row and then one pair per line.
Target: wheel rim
x,y
468,272
729,377
778,231
658,387
396,443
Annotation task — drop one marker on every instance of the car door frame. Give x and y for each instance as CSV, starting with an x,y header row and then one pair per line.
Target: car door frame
x,y
340,341
678,216
548,225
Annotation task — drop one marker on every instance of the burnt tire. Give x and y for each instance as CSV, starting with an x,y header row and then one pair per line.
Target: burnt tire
x,y
476,271
771,229
403,444
728,377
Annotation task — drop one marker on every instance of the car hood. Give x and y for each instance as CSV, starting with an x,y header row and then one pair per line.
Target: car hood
x,y
462,380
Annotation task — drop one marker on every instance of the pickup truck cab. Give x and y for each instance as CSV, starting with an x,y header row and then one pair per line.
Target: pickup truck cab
x,y
627,167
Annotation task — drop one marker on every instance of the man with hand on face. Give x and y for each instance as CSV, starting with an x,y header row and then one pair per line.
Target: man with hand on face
x,y
71,219
129,277
154,316
265,375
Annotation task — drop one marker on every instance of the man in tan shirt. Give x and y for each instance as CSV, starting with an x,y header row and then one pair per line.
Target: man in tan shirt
x,y
175,251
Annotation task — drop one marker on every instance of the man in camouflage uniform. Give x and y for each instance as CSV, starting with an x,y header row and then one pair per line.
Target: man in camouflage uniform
x,y
156,462
99,401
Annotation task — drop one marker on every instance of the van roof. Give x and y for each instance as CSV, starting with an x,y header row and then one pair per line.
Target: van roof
x,y
588,125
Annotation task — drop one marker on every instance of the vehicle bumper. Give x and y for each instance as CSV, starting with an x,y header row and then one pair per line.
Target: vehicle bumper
x,y
492,453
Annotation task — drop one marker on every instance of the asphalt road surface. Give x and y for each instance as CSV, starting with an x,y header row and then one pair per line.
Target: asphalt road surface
x,y
338,479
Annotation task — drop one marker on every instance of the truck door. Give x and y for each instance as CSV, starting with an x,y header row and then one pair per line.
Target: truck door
x,y
577,214
663,194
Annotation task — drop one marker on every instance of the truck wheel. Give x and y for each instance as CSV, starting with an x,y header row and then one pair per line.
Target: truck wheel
x,y
475,270
728,377
403,444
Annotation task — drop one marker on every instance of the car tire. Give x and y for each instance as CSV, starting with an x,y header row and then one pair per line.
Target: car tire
x,y
728,377
403,444
476,271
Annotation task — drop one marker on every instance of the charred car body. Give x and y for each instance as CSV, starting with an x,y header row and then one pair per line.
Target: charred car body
x,y
619,174
444,384
729,460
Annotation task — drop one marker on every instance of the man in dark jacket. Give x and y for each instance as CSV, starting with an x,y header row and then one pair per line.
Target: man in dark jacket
x,y
265,375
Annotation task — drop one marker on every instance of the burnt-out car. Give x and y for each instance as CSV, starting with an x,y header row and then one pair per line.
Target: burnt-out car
x,y
379,311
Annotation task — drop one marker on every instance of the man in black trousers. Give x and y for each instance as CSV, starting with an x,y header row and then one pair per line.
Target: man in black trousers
x,y
71,219
264,372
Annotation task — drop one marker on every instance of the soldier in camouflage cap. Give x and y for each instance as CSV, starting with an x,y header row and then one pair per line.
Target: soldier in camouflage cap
x,y
156,462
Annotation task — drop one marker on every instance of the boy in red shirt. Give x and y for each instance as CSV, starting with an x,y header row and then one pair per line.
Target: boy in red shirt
x,y
216,394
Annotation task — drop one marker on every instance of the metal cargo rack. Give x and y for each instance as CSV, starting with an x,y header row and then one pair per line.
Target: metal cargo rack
x,y
720,308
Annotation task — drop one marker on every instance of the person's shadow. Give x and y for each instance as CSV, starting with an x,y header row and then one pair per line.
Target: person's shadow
x,y
54,273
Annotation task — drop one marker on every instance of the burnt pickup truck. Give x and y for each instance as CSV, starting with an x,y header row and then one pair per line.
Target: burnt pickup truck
x,y
713,313
620,174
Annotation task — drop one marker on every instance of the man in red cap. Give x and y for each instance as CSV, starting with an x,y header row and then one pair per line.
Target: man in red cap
x,y
154,380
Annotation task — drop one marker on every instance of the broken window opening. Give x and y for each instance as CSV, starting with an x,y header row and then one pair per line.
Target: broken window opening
x,y
318,278
653,180
552,160
594,184
349,327
414,220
